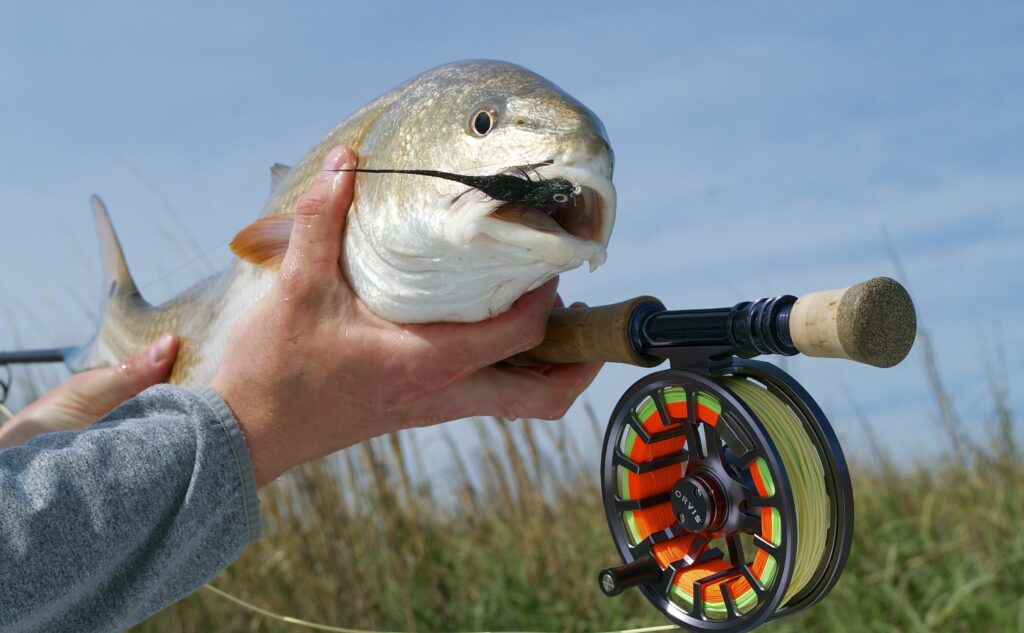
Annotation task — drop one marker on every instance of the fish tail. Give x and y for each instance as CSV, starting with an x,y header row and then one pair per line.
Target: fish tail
x,y
121,301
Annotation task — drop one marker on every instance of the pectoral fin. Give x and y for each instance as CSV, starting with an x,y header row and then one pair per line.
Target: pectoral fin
x,y
265,241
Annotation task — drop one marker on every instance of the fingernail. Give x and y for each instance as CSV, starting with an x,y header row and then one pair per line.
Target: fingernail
x,y
347,163
161,349
332,163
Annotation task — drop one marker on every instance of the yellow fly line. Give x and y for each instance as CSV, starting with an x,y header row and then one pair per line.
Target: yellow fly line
x,y
337,629
805,472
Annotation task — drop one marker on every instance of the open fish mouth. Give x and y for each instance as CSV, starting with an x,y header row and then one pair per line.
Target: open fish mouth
x,y
565,234
580,216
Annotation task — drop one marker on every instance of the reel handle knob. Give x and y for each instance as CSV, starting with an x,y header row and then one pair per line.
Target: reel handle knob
x,y
605,333
642,571
873,322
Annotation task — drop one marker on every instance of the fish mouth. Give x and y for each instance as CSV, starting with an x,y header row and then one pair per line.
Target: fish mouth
x,y
580,216
564,235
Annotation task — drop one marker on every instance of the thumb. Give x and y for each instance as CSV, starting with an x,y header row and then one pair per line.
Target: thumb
x,y
87,397
101,390
315,243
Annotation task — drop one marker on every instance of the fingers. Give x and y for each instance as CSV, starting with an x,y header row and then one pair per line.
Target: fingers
x,y
315,243
467,347
518,392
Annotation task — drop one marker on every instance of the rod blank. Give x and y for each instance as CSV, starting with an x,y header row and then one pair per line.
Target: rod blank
x,y
50,355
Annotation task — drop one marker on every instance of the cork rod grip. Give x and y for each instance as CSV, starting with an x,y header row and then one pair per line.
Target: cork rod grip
x,y
576,335
873,322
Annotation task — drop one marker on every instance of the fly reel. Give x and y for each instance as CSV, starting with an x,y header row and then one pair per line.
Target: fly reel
x,y
724,486
727,496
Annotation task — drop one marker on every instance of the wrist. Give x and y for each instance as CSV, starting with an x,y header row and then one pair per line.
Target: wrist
x,y
257,431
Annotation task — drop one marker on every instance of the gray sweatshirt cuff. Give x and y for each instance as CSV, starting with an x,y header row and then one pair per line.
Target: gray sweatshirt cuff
x,y
243,460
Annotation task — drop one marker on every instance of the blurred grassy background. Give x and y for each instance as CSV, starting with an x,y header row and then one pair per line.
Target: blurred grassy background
x,y
515,540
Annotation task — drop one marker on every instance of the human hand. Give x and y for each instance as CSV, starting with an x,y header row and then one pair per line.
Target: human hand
x,y
86,397
310,370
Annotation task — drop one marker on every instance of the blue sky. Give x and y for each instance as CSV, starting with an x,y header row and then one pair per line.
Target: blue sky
x,y
760,149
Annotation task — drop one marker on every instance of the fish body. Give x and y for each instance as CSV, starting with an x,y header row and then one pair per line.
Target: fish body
x,y
417,249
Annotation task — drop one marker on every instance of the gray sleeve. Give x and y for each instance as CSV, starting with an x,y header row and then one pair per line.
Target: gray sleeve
x,y
101,528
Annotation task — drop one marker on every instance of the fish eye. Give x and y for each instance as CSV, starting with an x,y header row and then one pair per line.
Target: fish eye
x,y
483,121
560,198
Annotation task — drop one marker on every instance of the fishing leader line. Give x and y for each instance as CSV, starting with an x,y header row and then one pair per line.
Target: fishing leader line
x,y
201,256
542,194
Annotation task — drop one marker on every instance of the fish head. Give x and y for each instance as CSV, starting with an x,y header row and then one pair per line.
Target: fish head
x,y
423,248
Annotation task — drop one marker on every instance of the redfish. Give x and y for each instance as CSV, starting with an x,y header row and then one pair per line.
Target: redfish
x,y
417,247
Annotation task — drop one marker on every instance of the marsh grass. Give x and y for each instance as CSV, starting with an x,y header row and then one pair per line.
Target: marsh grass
x,y
513,538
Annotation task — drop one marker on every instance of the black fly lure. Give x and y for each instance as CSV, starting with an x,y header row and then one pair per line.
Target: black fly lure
x,y
546,196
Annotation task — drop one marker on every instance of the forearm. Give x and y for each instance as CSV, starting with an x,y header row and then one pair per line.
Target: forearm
x,y
103,527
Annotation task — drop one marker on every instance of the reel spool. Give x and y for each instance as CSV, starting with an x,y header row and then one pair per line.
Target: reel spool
x,y
727,496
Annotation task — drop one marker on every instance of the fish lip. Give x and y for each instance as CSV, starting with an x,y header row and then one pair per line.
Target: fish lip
x,y
480,217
